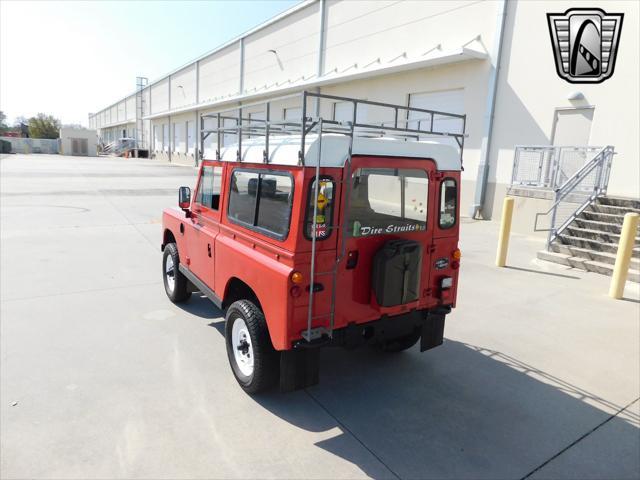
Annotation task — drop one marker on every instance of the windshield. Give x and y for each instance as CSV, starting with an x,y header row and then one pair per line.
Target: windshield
x,y
387,201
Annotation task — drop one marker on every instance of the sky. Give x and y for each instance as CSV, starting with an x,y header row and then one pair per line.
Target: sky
x,y
69,58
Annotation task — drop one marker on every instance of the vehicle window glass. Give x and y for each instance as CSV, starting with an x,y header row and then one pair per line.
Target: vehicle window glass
x,y
274,204
209,187
448,201
387,200
324,212
242,198
271,212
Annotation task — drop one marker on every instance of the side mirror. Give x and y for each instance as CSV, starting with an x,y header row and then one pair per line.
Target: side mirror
x,y
184,198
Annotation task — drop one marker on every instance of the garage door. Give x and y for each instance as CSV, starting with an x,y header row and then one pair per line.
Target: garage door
x,y
450,101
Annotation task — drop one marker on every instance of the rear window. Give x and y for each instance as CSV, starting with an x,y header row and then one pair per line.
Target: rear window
x,y
387,201
448,203
261,201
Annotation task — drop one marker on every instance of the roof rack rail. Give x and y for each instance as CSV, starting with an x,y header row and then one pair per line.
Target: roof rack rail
x,y
408,123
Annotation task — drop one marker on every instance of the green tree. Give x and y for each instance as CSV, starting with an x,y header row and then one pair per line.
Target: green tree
x,y
3,122
44,126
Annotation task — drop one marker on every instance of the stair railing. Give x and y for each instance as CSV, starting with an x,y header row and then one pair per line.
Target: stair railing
x,y
577,193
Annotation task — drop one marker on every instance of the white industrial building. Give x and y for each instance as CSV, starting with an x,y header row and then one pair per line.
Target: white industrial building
x,y
492,60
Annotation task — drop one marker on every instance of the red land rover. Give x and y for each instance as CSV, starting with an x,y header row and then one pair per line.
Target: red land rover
x,y
320,233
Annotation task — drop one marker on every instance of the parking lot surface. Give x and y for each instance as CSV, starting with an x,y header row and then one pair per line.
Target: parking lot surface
x,y
103,377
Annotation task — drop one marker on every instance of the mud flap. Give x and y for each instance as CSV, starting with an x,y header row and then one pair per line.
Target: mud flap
x,y
432,331
299,369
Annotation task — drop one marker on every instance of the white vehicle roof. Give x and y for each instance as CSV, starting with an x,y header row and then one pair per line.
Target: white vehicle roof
x,y
283,150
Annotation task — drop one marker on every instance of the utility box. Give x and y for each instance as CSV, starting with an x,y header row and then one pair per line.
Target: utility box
x,y
78,142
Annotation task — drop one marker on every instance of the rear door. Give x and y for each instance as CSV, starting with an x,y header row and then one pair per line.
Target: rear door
x,y
389,201
206,223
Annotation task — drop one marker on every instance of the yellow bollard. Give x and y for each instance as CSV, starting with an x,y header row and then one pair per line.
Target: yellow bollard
x,y
623,257
505,230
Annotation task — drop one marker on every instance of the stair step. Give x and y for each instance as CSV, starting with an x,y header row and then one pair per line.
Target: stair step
x,y
584,264
602,217
596,225
598,207
606,237
620,202
596,245
589,254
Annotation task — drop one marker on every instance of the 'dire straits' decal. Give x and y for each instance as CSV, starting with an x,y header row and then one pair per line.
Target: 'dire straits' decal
x,y
365,231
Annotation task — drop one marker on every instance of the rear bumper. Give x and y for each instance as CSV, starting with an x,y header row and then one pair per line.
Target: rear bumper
x,y
429,323
300,366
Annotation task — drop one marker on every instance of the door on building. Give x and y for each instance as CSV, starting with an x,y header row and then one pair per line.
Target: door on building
x,y
571,127
450,101
79,147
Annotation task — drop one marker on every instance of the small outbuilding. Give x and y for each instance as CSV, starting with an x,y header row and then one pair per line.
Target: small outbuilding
x,y
78,141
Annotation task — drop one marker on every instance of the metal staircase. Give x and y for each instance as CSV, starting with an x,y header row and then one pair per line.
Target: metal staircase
x,y
585,224
590,241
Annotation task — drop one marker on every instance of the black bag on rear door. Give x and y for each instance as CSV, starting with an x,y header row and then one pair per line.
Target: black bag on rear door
x,y
396,272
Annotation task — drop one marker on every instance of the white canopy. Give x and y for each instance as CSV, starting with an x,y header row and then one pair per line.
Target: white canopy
x,y
283,150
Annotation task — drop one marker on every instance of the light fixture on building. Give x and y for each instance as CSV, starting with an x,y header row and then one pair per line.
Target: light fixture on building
x,y
574,96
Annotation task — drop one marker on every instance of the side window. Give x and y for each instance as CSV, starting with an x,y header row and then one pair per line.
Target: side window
x,y
209,187
324,212
448,203
261,200
242,197
274,204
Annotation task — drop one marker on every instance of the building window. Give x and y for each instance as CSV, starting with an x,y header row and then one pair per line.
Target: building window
x,y
262,201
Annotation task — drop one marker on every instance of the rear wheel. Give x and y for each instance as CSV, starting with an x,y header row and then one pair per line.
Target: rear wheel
x,y
175,283
402,343
254,361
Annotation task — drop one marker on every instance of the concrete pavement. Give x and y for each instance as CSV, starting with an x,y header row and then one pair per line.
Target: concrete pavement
x,y
103,377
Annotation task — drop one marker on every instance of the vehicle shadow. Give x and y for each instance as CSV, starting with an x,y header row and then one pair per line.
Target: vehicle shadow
x,y
459,411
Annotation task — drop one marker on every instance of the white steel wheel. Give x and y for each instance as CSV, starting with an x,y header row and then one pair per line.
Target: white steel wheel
x,y
242,348
170,273
176,285
253,360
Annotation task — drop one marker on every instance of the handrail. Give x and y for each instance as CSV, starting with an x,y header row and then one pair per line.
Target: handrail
x,y
601,161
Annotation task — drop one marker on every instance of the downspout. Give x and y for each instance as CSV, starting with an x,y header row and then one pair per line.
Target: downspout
x,y
485,149
321,46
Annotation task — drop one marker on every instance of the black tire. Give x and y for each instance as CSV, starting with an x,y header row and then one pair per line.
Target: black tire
x,y
402,343
180,291
266,360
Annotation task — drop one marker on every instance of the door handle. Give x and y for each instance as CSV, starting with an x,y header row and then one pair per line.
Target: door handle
x,y
209,249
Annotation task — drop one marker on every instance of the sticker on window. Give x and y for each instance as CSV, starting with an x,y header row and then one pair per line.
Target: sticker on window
x,y
323,207
366,230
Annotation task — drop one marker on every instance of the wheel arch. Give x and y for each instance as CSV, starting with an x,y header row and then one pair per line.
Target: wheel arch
x,y
237,289
167,237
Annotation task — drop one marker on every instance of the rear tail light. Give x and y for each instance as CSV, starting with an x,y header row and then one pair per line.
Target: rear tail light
x,y
446,282
455,265
295,291
457,254
296,277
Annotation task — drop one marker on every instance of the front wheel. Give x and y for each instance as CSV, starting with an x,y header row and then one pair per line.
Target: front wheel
x,y
254,361
175,283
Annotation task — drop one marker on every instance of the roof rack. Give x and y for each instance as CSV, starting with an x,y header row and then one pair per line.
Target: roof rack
x,y
406,124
